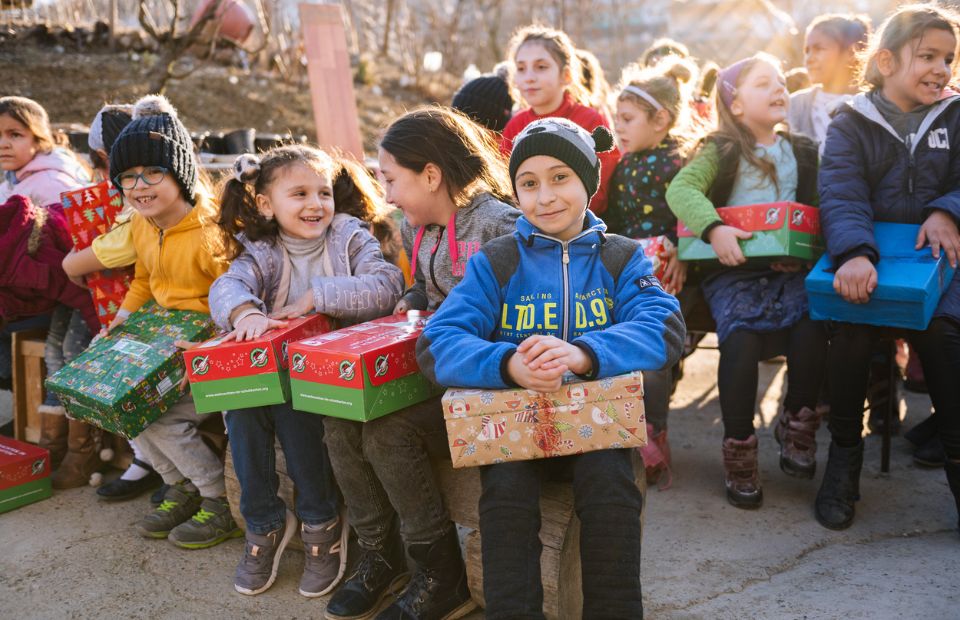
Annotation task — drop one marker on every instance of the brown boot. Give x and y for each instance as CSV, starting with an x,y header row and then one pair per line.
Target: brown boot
x,y
797,435
83,457
740,472
53,433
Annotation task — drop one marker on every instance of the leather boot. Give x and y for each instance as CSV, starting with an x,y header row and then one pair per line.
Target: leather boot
x,y
741,475
53,433
83,456
797,435
438,588
840,489
953,477
379,575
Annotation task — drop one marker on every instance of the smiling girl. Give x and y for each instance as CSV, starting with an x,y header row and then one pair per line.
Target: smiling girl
x,y
890,156
830,54
760,311
548,75
294,254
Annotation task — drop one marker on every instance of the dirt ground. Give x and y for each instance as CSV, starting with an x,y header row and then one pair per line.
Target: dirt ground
x,y
72,87
73,557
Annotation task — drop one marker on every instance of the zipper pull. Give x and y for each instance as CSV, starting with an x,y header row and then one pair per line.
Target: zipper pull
x,y
161,238
566,254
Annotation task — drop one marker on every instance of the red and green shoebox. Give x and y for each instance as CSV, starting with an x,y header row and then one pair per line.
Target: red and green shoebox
x,y
780,230
361,372
24,474
124,381
253,373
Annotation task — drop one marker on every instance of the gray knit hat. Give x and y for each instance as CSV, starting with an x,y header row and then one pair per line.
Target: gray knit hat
x,y
156,137
568,142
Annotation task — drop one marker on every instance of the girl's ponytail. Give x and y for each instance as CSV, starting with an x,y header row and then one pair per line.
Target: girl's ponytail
x,y
238,208
356,193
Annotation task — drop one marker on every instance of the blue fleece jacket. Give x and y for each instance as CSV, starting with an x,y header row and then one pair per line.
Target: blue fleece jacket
x,y
869,173
596,291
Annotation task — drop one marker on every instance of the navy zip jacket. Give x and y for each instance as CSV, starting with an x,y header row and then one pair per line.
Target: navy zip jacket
x,y
868,173
596,291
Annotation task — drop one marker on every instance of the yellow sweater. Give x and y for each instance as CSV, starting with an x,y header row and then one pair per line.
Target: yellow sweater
x,y
174,266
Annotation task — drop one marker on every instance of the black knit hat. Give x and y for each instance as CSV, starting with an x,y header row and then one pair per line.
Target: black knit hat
x,y
156,137
107,125
487,100
568,142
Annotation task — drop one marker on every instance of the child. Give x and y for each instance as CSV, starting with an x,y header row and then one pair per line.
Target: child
x,y
174,233
888,158
559,249
660,49
595,83
36,165
487,99
293,255
652,116
444,172
548,75
830,52
759,311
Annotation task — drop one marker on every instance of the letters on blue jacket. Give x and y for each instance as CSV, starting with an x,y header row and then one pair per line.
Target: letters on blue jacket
x,y
596,291
869,173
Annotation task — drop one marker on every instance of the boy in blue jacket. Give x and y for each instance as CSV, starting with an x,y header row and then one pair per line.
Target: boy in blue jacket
x,y
557,295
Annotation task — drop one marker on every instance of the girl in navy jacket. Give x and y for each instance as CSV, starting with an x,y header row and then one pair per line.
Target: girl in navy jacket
x,y
893,155
556,295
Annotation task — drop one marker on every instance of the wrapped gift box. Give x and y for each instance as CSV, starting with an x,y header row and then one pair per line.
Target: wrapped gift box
x,y
128,379
495,426
361,372
658,249
251,373
24,474
909,283
90,212
780,230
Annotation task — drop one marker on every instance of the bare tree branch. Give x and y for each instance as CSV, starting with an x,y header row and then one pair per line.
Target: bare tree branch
x,y
145,19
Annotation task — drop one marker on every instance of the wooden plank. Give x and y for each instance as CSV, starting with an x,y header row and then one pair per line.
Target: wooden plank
x,y
29,372
331,78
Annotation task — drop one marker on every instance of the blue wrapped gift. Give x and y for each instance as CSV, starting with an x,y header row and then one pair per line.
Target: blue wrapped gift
x,y
909,283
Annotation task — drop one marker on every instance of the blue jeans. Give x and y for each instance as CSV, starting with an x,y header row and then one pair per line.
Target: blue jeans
x,y
252,434
67,337
608,503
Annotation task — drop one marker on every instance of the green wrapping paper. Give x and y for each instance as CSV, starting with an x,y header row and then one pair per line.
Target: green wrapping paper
x,y
128,379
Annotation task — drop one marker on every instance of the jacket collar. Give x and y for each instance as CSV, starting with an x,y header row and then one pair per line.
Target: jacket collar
x,y
58,160
593,229
862,105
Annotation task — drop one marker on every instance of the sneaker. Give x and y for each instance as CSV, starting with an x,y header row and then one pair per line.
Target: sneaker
x,y
325,556
120,490
211,525
157,498
257,569
178,505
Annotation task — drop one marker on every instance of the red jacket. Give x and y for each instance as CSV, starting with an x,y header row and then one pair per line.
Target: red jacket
x,y
586,117
33,242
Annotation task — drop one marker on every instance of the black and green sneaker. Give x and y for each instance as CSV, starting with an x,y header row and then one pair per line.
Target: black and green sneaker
x,y
211,525
178,505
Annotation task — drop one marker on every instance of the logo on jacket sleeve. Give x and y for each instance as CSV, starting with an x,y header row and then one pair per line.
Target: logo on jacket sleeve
x,y
646,282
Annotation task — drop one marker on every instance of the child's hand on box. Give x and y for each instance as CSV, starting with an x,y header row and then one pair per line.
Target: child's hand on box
x,y
537,380
726,244
674,274
940,231
252,326
856,280
117,320
186,345
301,307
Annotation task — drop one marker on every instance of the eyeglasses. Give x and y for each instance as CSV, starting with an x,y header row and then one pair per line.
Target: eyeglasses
x,y
151,175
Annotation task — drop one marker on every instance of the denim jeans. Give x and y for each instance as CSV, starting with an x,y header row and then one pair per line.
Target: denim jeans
x,y
252,435
848,365
608,503
67,337
383,468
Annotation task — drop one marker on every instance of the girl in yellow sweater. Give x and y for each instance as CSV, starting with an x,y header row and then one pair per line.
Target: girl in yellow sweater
x,y
174,232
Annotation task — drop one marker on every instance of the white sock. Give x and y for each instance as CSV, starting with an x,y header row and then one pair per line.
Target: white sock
x,y
134,472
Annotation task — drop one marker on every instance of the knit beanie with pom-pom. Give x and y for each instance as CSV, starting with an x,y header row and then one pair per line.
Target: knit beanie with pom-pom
x,y
156,137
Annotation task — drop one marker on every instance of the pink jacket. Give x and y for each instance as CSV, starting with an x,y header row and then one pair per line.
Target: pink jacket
x,y
44,177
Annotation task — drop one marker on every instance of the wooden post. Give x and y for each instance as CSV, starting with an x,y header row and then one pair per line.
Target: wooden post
x,y
114,18
331,79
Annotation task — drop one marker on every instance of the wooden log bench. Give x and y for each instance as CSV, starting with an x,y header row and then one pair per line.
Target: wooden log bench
x,y
559,532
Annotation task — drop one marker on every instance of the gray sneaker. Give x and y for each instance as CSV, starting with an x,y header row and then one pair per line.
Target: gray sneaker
x,y
178,505
325,556
257,569
210,525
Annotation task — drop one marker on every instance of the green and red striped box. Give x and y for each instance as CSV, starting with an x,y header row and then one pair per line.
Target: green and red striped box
x,y
234,375
780,230
361,372
24,474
